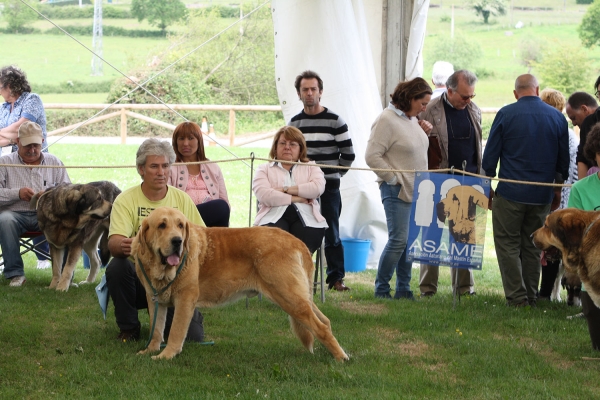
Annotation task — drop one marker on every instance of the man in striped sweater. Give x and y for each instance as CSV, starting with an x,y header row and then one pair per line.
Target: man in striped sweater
x,y
328,142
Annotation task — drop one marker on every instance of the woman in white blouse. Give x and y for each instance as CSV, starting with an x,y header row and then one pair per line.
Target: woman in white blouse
x,y
203,182
288,193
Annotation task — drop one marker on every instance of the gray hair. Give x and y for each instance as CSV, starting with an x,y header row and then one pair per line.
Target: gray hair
x,y
154,147
441,71
469,77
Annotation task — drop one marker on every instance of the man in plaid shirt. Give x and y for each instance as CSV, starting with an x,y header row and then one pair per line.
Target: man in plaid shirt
x,y
17,187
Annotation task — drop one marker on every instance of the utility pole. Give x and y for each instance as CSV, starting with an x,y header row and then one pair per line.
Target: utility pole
x,y
97,39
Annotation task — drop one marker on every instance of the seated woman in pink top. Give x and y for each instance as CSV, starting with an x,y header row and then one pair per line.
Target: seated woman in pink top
x,y
203,182
288,193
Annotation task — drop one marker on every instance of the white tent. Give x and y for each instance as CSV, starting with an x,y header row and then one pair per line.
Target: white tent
x,y
360,59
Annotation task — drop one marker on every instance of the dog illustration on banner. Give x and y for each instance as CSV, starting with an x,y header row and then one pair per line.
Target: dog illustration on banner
x,y
459,207
455,238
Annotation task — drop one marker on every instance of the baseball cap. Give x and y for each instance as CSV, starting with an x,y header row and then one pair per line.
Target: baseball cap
x,y
30,132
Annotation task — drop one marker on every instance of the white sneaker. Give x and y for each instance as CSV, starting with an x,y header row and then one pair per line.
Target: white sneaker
x,y
17,281
44,264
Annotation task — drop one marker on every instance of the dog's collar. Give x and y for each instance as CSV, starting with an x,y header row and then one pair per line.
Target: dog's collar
x,y
156,293
589,227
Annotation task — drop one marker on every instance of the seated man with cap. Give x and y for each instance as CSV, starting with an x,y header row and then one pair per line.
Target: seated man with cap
x,y
17,186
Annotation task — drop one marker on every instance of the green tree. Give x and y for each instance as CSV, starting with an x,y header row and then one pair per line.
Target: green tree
x,y
17,15
530,50
159,13
485,8
461,52
564,68
237,68
589,30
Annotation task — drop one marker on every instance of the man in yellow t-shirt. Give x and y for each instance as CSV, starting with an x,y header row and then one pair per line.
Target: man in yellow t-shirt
x,y
153,161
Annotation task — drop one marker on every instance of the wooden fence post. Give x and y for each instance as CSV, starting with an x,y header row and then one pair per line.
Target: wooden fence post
x,y
231,127
123,126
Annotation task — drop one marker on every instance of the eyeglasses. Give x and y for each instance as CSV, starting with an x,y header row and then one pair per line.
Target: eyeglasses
x,y
465,98
291,145
597,93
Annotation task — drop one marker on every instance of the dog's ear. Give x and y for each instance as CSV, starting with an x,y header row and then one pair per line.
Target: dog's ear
x,y
441,213
569,231
82,204
142,237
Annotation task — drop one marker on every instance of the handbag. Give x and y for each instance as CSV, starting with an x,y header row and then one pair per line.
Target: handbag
x,y
434,153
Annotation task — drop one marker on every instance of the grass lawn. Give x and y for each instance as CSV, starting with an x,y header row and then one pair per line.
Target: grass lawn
x,y
56,345
52,59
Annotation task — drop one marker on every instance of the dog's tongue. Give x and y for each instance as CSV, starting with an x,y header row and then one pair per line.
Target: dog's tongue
x,y
173,259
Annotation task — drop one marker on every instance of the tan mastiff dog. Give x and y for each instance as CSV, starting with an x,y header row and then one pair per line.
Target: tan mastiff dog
x,y
186,266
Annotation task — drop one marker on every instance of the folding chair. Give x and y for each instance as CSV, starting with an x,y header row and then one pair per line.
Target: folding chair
x,y
319,270
26,241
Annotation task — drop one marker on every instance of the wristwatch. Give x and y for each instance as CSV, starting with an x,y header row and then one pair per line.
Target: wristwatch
x,y
285,189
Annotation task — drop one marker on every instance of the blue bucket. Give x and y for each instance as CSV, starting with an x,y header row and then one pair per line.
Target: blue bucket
x,y
356,254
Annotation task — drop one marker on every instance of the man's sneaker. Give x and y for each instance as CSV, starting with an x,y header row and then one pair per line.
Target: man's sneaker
x,y
44,264
130,334
17,281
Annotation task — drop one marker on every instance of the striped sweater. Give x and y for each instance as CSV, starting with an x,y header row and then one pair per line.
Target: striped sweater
x,y
327,140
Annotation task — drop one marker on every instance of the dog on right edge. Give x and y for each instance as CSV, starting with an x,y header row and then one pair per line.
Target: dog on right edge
x,y
576,234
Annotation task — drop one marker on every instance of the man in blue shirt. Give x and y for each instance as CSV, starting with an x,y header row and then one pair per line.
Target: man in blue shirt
x,y
531,141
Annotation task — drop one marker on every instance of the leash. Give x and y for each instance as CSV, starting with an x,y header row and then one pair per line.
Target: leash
x,y
156,293
39,198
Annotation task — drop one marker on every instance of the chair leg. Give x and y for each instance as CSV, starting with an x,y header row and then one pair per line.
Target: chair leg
x,y
320,270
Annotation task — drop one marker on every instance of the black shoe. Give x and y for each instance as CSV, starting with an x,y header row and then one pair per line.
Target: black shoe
x,y
519,304
130,335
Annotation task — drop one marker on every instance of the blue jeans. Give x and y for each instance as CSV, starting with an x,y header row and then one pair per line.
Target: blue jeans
x,y
331,208
397,214
13,224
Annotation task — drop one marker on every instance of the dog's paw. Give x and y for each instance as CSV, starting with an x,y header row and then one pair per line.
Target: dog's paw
x,y
84,283
165,355
141,352
62,287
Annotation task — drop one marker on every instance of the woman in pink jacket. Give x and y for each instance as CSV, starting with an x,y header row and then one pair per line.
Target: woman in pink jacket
x,y
288,193
203,182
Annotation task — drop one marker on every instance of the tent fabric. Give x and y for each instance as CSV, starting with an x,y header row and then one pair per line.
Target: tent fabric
x,y
414,53
332,39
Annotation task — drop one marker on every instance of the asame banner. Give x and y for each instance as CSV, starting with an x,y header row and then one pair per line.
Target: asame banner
x,y
447,221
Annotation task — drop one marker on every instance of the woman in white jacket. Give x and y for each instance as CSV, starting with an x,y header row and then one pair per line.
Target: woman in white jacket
x,y
288,193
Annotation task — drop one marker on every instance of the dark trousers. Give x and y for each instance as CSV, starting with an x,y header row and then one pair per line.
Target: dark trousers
x,y
549,272
129,295
592,315
215,213
331,209
291,222
518,258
